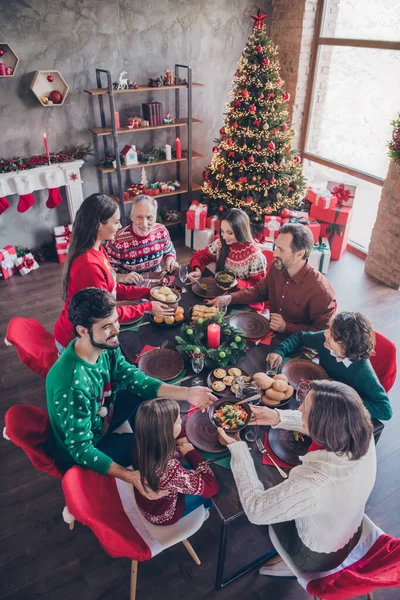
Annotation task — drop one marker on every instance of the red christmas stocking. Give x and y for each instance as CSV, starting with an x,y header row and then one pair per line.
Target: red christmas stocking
x,y
3,205
25,202
54,198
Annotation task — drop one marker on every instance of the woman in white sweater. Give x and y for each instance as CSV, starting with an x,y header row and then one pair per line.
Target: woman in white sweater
x,y
317,512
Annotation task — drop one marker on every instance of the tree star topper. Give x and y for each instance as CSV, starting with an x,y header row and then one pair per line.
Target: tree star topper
x,y
259,19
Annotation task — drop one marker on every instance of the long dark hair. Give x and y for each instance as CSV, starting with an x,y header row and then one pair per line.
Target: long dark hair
x,y
354,332
339,420
94,210
240,223
154,439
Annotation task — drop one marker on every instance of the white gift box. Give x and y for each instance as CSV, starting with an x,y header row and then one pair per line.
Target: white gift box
x,y
63,230
25,264
198,239
320,256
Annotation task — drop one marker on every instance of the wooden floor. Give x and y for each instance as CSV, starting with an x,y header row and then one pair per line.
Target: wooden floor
x,y
41,560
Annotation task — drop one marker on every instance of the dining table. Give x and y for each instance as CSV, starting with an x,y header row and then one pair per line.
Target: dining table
x,y
238,557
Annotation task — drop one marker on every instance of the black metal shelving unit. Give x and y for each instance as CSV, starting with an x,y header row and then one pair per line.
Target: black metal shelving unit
x,y
107,132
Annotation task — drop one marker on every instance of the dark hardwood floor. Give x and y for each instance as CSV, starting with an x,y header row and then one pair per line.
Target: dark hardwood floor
x,y
42,560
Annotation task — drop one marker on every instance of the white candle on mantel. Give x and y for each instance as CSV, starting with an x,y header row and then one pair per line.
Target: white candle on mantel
x,y
168,152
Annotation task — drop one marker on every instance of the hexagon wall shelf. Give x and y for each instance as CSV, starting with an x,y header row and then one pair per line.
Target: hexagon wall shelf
x,y
9,59
45,82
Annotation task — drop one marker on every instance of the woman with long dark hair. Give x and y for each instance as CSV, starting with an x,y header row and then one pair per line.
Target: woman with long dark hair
x,y
317,512
87,265
157,455
235,251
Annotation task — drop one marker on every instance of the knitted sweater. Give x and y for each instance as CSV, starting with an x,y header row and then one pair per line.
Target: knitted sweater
x,y
92,269
325,495
359,374
132,252
75,390
199,481
245,261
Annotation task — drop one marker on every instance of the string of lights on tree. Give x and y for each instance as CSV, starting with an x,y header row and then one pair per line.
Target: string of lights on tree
x,y
253,166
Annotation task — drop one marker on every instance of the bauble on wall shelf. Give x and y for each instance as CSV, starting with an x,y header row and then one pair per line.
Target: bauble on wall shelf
x,y
50,88
8,61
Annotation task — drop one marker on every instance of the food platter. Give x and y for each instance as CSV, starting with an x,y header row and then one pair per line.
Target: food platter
x,y
227,391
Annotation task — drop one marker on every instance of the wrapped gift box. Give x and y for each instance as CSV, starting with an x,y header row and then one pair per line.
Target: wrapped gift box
x,y
25,264
342,192
288,213
63,237
198,239
63,230
196,216
8,257
320,255
213,223
311,224
62,250
272,226
322,198
334,226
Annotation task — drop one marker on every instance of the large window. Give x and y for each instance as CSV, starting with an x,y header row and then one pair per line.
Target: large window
x,y
353,96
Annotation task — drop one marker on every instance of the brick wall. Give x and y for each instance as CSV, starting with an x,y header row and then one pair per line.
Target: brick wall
x,y
383,260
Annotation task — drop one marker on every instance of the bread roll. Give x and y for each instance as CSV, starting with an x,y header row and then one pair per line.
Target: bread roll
x,y
289,392
266,381
280,376
275,395
269,402
279,385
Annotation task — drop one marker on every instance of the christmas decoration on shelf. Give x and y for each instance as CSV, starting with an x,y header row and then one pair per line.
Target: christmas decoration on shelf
x,y
394,144
171,215
152,189
155,155
143,178
169,119
167,79
17,163
124,84
253,166
193,341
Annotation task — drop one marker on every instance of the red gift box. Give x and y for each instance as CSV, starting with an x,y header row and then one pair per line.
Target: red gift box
x,y
196,216
334,226
62,250
213,223
311,224
8,257
272,226
322,198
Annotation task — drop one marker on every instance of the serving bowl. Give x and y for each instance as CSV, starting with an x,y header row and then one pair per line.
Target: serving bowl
x,y
225,285
155,290
219,403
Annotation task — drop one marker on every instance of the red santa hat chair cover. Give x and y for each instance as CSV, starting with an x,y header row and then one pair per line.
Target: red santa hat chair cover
x,y
35,346
384,361
374,563
107,505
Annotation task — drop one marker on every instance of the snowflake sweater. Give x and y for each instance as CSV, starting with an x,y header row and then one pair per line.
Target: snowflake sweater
x,y
131,252
245,261
199,481
75,390
92,269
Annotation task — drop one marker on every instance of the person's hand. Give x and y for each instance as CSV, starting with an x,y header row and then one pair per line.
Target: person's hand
x,y
220,301
184,448
277,323
274,360
264,416
201,397
225,439
182,440
171,264
161,310
147,493
129,278
194,275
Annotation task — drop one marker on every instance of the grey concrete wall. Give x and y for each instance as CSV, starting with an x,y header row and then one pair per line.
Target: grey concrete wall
x,y
142,37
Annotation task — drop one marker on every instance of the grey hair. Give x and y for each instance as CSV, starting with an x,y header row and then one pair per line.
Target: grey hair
x,y
143,199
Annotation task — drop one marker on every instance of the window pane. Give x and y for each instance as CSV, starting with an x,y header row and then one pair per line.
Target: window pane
x,y
356,97
365,207
362,19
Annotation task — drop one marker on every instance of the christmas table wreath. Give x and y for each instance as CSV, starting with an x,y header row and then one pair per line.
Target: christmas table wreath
x,y
193,339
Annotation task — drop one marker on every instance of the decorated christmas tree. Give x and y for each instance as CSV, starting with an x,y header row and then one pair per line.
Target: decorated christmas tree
x,y
253,166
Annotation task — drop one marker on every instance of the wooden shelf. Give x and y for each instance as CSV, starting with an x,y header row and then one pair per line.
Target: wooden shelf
x,y
151,164
99,131
141,88
182,190
40,86
9,58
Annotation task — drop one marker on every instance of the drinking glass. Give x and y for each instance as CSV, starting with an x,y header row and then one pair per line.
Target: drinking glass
x,y
197,366
222,309
145,280
246,389
302,390
183,275
251,433
271,371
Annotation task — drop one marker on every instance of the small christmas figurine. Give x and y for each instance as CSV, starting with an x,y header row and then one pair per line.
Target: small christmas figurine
x,y
155,82
124,84
143,178
129,155
168,77
169,119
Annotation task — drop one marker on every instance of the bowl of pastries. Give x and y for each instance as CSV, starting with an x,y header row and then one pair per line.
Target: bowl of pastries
x,y
166,295
275,391
201,311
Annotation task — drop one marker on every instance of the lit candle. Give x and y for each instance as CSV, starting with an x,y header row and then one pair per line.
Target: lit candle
x,y
213,336
168,152
178,149
46,146
117,123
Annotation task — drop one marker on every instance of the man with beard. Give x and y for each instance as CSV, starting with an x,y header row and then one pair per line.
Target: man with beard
x,y
81,388
300,298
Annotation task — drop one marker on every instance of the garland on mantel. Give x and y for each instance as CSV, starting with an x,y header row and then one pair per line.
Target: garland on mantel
x,y
18,163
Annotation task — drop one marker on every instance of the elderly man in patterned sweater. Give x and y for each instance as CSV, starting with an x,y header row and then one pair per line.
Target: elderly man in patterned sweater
x,y
143,245
83,404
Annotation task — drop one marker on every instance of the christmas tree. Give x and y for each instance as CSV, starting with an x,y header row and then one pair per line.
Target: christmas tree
x,y
253,166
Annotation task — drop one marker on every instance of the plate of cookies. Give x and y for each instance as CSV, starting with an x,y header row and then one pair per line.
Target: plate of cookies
x,y
221,380
276,391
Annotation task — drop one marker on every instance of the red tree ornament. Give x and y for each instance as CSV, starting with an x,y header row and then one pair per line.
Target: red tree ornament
x,y
222,131
256,122
271,95
259,48
245,93
243,162
221,168
259,19
273,180
286,96
251,159
297,159
221,208
249,200
265,62
50,78
235,125
231,154
206,174
215,149
271,146
261,96
229,142
264,181
55,97
238,103
284,127
252,108
1,52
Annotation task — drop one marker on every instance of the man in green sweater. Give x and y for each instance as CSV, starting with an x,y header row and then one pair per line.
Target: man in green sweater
x,y
344,351
82,400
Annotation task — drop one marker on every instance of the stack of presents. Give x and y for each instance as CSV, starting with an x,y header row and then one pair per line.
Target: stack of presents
x,y
328,218
10,263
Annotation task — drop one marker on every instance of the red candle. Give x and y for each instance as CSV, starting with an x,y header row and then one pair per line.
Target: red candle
x,y
178,148
117,123
213,336
46,146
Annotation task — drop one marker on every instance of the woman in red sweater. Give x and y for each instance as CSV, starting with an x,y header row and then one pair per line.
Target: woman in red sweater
x,y
87,265
157,454
234,251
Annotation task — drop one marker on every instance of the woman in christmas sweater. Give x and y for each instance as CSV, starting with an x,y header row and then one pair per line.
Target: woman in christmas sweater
x,y
87,265
234,251
157,454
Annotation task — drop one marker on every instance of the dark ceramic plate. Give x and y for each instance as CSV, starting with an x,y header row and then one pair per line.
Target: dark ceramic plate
x,y
162,364
253,325
212,290
283,445
227,392
224,401
201,432
301,369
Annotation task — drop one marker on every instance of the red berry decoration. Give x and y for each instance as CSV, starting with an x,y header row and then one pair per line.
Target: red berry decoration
x,y
245,93
243,162
291,189
259,48
265,62
215,149
286,96
258,147
271,146
206,174
278,81
55,97
50,78
252,108
251,159
242,180
284,127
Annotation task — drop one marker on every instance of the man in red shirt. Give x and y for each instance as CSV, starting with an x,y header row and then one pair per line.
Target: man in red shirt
x,y
300,298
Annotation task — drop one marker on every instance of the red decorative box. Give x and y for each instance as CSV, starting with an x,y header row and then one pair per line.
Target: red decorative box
x,y
196,216
311,224
213,223
322,198
334,226
8,257
272,226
